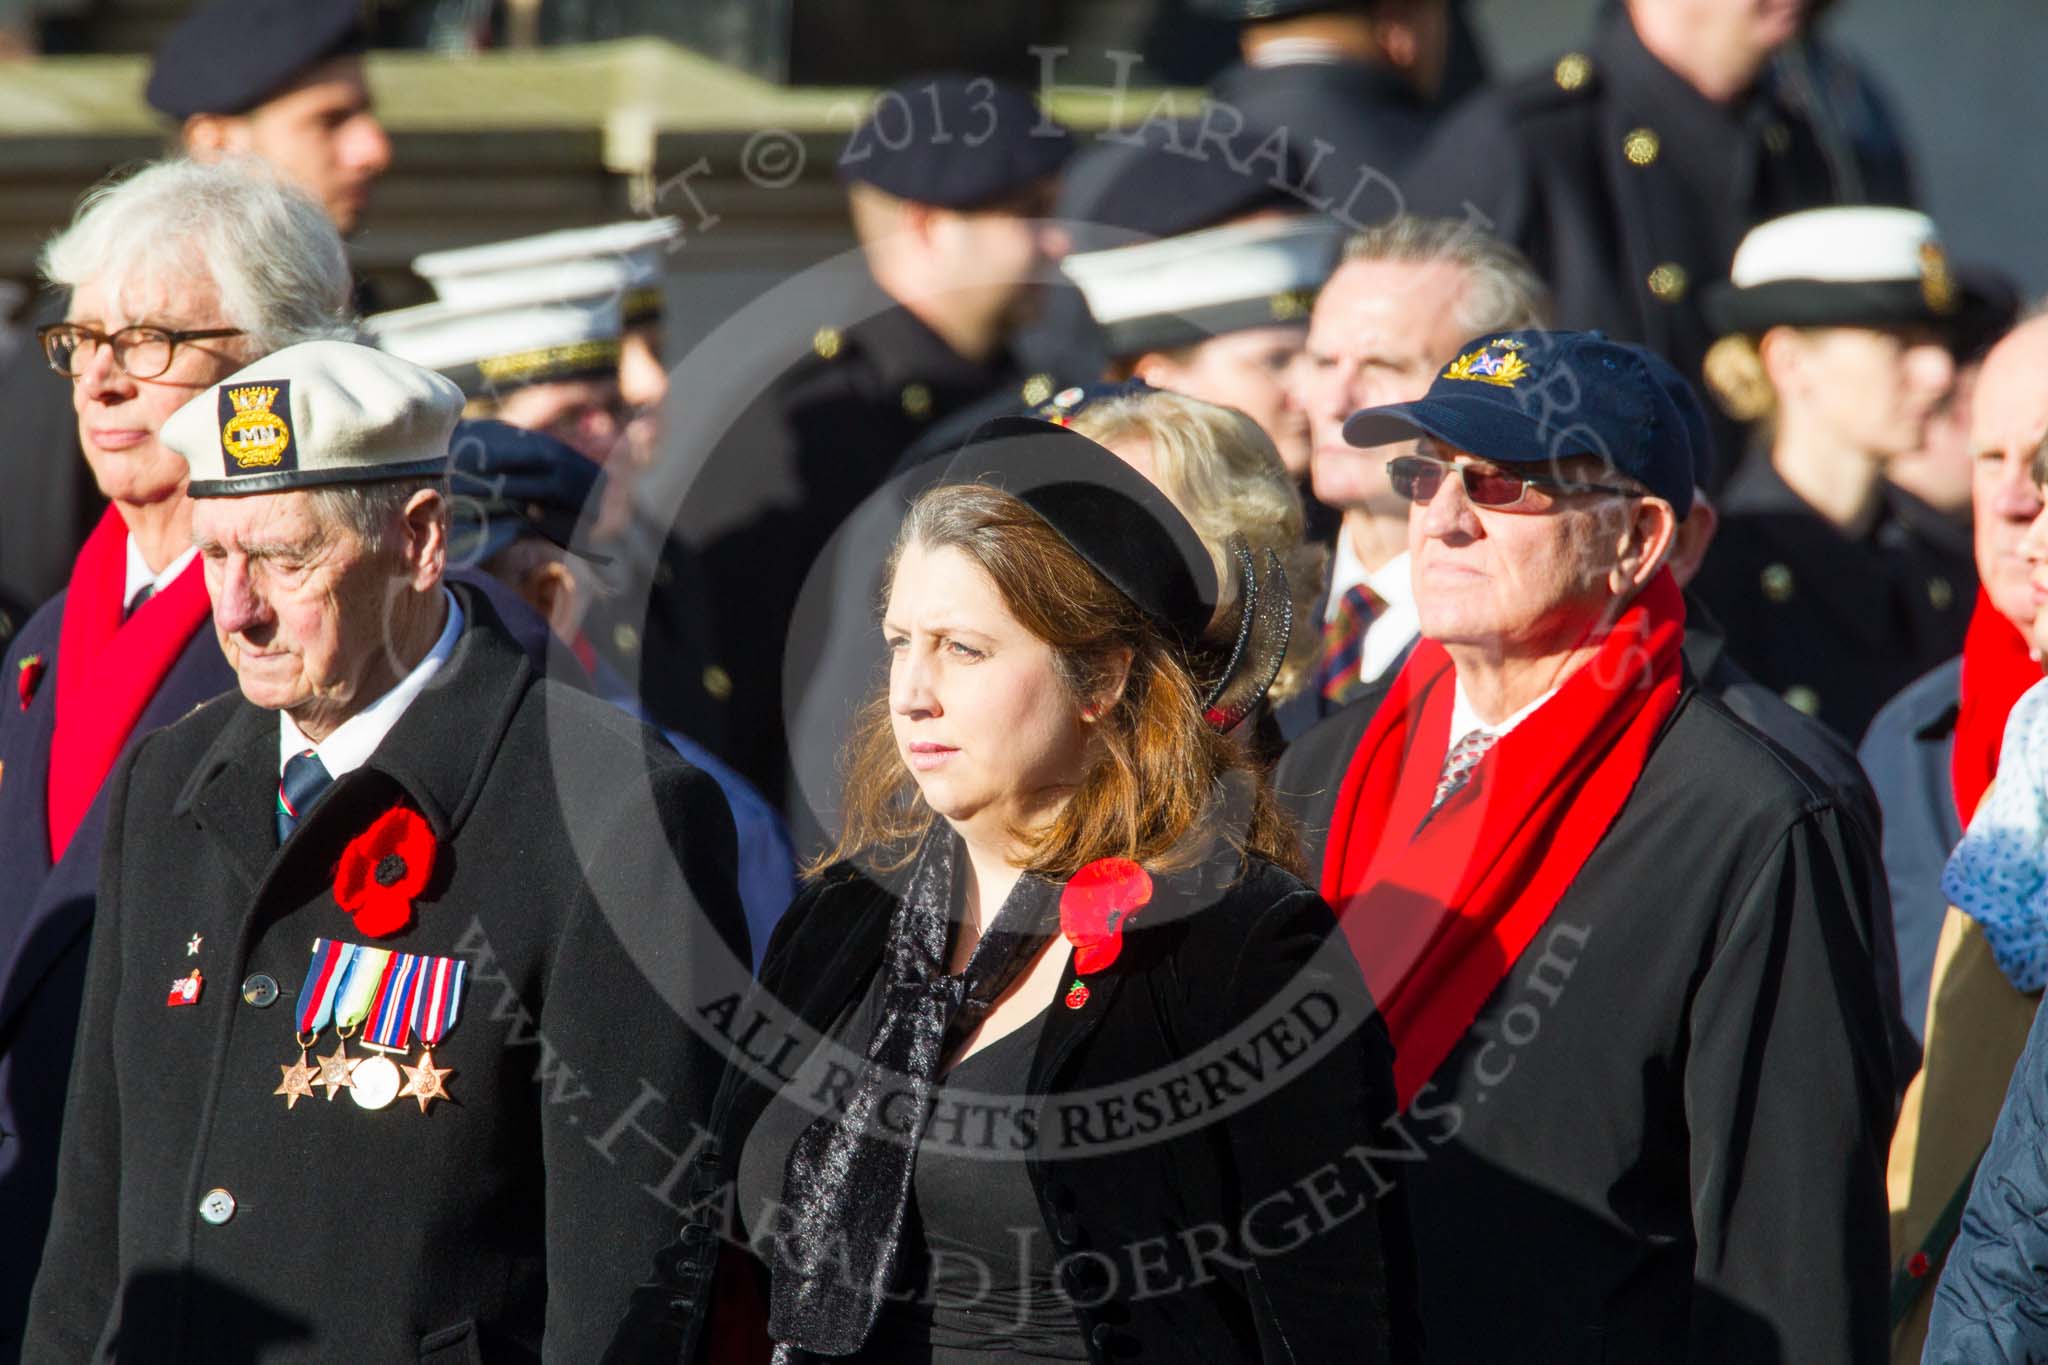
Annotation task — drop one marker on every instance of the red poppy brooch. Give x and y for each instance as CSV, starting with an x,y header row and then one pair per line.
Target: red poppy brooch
x,y
1096,905
28,673
382,869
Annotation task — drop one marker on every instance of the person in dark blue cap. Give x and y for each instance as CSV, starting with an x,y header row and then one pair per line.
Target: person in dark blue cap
x,y
520,502
281,80
1618,937
949,180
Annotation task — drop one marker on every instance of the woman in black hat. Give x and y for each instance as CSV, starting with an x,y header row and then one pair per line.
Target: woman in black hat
x,y
1058,1058
1835,587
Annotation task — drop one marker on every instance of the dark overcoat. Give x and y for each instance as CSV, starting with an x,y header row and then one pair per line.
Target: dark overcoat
x,y
45,919
1664,1136
583,872
1131,1163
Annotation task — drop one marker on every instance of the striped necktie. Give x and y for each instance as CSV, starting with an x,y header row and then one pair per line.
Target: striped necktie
x,y
305,777
135,603
1337,673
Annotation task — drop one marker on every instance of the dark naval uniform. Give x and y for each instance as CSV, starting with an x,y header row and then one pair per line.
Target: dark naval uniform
x,y
1664,1136
1835,626
1629,190
1369,116
583,874
45,923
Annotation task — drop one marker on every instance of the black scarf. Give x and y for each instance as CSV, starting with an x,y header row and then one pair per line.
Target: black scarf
x,y
847,1182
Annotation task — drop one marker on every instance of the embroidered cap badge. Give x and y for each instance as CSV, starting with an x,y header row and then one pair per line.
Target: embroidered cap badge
x,y
1494,363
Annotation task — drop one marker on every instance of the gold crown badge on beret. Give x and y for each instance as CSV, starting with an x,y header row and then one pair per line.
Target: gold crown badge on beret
x,y
319,413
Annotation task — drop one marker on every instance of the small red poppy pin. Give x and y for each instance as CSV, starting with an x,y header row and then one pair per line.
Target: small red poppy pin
x,y
28,675
382,869
1918,1265
1096,905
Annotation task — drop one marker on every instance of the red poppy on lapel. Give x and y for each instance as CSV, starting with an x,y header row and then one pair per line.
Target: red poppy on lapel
x,y
1097,903
28,675
382,869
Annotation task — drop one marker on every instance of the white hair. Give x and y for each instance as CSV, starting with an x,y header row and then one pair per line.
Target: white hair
x,y
1503,293
268,249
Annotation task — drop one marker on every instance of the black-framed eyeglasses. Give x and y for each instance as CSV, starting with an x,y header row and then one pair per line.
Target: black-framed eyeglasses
x,y
141,351
1418,477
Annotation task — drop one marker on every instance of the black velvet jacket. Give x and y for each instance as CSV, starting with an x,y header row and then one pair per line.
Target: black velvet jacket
x,y
1205,1127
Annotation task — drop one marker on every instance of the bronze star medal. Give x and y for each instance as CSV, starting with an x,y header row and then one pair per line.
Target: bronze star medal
x,y
336,1068
298,1081
423,1082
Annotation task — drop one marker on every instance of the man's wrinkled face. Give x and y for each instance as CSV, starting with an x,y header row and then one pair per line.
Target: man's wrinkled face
x,y
1520,583
323,136
299,607
1380,332
2008,422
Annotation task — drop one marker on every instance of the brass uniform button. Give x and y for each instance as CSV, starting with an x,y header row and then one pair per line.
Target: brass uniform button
x,y
625,637
1668,282
917,401
1941,593
1803,699
1641,146
1037,389
1290,306
1777,583
718,682
1777,139
826,342
217,1206
1573,70
260,991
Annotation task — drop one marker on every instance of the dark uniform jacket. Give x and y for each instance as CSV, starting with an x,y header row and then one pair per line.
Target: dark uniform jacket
x,y
52,502
1629,190
1836,626
1369,116
45,923
585,875
1207,960
770,492
1664,1137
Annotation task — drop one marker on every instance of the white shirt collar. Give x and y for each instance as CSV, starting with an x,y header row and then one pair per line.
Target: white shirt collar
x,y
1394,629
139,576
356,738
1464,720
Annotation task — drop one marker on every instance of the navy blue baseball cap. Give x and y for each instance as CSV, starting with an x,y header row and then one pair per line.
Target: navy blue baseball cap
x,y
232,55
1536,397
955,141
507,483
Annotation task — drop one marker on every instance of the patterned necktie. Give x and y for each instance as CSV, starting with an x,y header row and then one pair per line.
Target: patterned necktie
x,y
1463,757
305,777
1337,676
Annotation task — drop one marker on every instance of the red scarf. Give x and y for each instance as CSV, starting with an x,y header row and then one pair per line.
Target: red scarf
x,y
1997,667
107,669
1438,917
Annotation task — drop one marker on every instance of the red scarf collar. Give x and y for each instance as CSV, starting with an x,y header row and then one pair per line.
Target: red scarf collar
x,y
109,669
1996,668
1437,918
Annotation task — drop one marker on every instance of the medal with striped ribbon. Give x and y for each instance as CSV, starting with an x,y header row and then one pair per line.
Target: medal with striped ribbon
x,y
436,1001
373,1083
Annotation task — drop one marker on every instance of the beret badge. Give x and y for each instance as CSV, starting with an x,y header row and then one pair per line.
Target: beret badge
x,y
254,434
1494,363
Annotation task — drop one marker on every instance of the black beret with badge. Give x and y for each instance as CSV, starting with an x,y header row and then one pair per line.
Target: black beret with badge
x,y
232,55
318,414
507,483
954,141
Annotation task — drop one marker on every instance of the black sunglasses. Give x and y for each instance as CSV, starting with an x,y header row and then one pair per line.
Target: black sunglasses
x,y
1418,477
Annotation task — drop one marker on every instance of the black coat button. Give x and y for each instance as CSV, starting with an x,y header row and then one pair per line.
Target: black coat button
x,y
1102,1336
260,991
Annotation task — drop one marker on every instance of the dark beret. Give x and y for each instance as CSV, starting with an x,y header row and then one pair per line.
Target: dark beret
x,y
506,483
1176,183
1111,515
953,140
233,55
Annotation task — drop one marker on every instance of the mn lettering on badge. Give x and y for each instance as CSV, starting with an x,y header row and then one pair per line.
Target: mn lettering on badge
x,y
255,427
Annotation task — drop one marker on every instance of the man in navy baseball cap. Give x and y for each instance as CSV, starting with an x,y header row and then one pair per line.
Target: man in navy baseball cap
x,y
1532,399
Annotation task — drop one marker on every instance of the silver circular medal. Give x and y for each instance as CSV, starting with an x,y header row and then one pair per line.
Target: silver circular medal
x,y
374,1082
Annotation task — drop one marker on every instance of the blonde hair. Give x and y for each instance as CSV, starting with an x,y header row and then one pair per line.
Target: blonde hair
x,y
1223,473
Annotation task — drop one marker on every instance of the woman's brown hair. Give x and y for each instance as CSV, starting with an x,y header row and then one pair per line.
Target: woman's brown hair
x,y
1159,778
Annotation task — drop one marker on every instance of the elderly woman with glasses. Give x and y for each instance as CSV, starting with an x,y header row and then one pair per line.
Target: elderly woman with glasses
x,y
178,276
